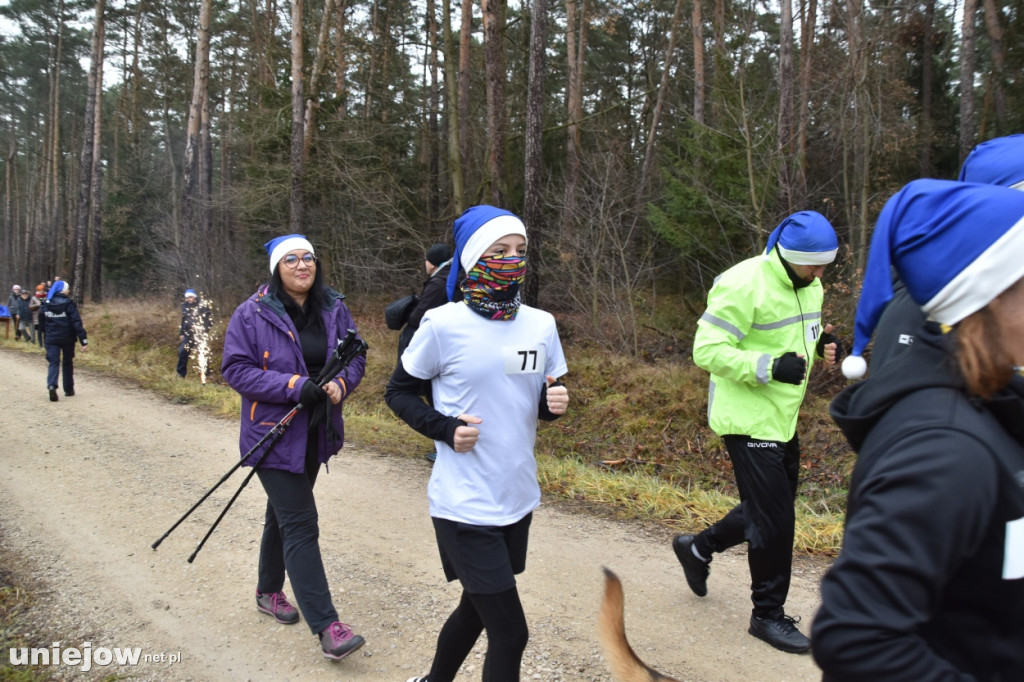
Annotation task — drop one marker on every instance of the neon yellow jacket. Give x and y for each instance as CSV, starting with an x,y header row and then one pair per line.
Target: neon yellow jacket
x,y
754,315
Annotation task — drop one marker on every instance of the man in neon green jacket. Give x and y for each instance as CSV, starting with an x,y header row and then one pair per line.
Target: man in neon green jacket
x,y
758,338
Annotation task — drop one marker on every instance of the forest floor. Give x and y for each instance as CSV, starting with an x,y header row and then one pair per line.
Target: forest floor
x,y
90,482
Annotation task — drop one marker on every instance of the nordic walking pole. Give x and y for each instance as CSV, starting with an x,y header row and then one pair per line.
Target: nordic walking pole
x,y
225,477
347,350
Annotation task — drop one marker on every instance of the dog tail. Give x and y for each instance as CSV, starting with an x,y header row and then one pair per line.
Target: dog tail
x,y
625,665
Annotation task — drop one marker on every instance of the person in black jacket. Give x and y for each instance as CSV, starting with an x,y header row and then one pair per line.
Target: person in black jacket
x,y
438,262
60,322
929,584
195,321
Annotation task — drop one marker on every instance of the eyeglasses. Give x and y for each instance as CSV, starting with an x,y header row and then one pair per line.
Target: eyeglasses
x,y
292,261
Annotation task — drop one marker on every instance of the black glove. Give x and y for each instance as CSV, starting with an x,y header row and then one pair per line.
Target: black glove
x,y
789,368
826,339
312,395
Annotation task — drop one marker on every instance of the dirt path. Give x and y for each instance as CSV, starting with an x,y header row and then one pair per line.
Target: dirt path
x,y
90,482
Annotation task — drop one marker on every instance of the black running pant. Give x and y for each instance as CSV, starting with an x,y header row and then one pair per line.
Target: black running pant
x,y
766,475
502,616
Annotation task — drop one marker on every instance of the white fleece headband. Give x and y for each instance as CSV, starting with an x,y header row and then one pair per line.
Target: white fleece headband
x,y
282,245
488,233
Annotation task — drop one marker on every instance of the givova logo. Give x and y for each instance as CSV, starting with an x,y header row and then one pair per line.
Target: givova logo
x,y
85,657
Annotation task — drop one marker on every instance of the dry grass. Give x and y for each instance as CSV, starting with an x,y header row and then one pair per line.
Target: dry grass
x,y
635,441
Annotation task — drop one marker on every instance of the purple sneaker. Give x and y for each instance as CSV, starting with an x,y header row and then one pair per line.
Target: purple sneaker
x,y
338,641
276,605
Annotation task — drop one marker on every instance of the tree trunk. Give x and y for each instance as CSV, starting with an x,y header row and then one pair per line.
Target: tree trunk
x,y
193,206
86,164
298,161
313,98
465,69
803,112
927,57
697,27
659,101
433,112
993,24
576,48
785,141
96,206
494,65
967,60
454,112
340,62
533,215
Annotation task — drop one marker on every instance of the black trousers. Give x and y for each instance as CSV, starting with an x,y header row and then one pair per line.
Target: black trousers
x,y
766,475
291,541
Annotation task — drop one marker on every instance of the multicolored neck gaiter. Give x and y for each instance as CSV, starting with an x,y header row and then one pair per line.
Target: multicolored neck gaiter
x,y
492,287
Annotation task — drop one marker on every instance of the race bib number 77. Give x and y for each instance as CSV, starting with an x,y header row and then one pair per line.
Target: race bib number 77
x,y
523,360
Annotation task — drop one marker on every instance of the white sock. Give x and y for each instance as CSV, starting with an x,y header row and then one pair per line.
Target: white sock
x,y
693,548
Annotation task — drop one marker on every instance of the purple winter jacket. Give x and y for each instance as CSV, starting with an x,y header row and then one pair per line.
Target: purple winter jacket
x,y
263,362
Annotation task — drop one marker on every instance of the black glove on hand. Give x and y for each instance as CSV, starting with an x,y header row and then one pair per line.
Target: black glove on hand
x,y
826,339
789,369
312,394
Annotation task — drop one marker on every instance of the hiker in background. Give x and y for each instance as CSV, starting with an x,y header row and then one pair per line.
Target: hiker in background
x,y
437,263
62,325
195,320
38,299
492,363
24,317
758,338
929,584
277,341
12,306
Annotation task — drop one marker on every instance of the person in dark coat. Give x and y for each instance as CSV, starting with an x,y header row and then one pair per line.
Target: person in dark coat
x,y
929,584
437,263
24,317
277,341
195,320
62,325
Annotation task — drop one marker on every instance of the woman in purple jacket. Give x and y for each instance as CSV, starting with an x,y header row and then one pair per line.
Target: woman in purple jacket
x,y
277,342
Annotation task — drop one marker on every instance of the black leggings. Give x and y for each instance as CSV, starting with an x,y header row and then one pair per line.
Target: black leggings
x,y
502,616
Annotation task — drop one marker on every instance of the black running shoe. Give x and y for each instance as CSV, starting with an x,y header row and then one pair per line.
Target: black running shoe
x,y
695,570
781,633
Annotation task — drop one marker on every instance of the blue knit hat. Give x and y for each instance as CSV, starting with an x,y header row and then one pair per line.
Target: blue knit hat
x,y
279,246
999,161
190,292
476,229
956,246
805,238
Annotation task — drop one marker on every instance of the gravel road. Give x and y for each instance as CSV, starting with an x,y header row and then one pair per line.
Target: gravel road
x,y
90,482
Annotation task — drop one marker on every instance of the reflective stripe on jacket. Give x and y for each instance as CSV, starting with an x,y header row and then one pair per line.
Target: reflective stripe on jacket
x,y
754,315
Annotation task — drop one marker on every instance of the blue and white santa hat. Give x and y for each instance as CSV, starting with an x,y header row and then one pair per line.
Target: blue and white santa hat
x,y
956,246
279,246
476,229
805,238
999,161
190,292
60,286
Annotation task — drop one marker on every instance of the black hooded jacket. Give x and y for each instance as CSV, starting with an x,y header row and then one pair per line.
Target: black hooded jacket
x,y
930,581
60,321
